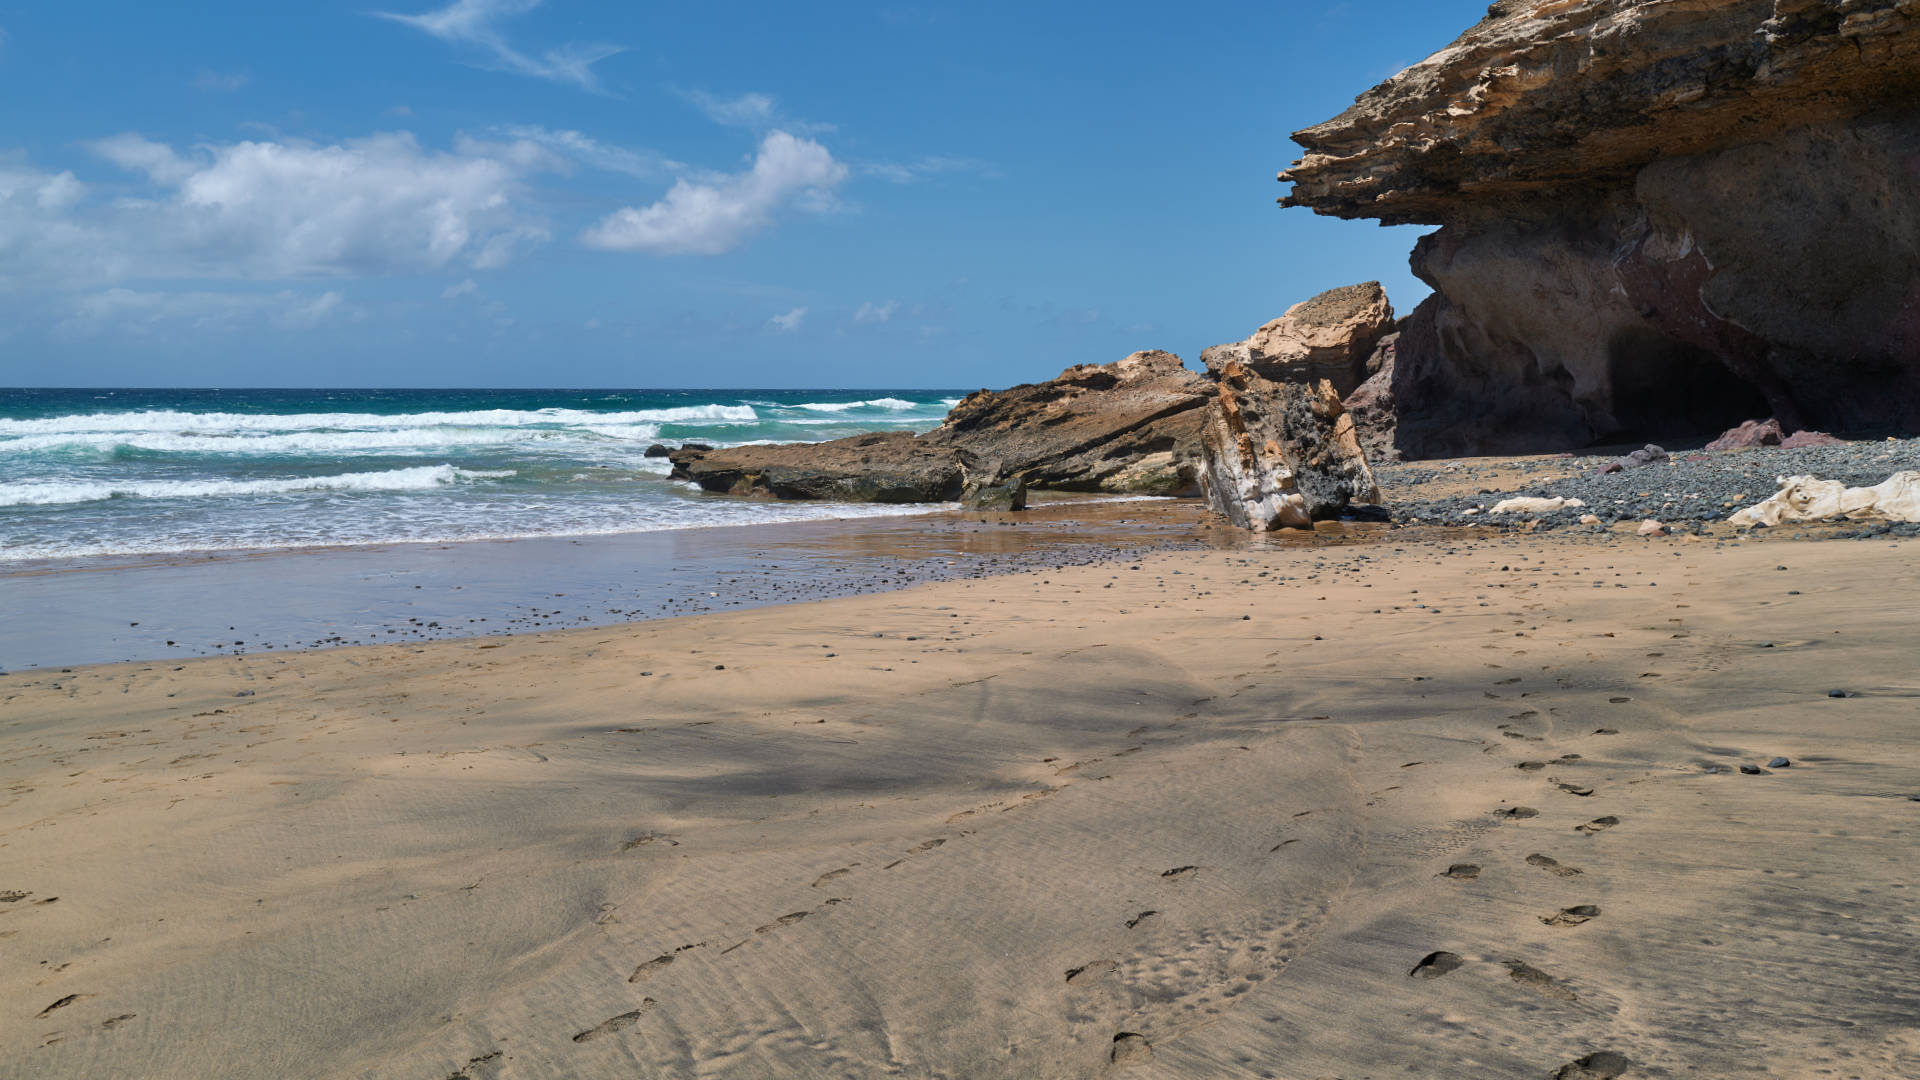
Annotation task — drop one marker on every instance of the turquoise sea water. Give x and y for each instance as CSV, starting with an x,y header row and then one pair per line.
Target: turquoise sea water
x,y
89,473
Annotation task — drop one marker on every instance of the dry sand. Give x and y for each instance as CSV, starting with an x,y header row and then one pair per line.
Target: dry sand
x,y
1183,820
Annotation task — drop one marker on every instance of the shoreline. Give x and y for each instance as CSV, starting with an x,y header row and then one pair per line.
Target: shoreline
x,y
224,603
1002,826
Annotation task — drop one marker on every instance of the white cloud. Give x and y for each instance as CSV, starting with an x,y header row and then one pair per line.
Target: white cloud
x,y
60,192
747,110
455,292
789,322
274,209
136,153
718,213
871,312
472,24
594,154
753,111
907,172
226,84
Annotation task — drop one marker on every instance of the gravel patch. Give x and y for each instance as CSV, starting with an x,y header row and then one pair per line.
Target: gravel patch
x,y
1692,490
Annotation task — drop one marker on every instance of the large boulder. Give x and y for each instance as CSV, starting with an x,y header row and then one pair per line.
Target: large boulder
x,y
1281,454
1657,218
1129,427
1328,337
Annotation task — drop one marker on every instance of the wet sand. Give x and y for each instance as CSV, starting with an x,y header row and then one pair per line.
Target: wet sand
x,y
234,603
1452,807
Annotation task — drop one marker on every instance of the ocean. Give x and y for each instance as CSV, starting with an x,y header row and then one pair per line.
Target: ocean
x,y
88,473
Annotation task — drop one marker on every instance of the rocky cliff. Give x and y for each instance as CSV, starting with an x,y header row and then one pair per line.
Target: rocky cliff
x,y
1657,217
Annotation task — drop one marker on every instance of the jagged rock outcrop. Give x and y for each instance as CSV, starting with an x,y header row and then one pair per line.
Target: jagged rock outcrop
x,y
1280,454
1658,217
1328,337
1129,427
885,467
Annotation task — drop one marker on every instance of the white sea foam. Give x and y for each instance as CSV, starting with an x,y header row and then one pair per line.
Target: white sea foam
x,y
56,492
892,404
391,440
639,518
167,420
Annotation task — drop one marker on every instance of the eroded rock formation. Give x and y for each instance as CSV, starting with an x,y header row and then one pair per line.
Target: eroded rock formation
x,y
1328,337
886,467
1281,454
1658,217
1129,427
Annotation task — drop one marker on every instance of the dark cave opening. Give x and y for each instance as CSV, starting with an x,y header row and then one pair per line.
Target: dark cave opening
x,y
1666,389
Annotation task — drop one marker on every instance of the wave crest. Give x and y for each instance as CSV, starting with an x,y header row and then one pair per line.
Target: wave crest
x,y
57,493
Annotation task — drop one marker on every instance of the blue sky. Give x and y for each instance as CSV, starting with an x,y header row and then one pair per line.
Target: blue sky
x,y
564,193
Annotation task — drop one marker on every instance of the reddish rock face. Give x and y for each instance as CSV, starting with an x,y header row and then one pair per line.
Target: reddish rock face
x,y
1658,218
1750,434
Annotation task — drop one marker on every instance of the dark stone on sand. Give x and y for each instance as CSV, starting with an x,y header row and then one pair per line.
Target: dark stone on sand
x,y
1641,458
1751,770
1780,763
1604,1065
1838,694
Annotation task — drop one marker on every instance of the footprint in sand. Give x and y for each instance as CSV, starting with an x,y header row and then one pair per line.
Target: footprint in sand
x,y
1140,918
647,969
1435,964
1599,824
1552,865
1516,813
614,1024
830,875
1130,1049
61,1004
1577,789
1461,872
1087,973
1572,916
1180,872
1538,981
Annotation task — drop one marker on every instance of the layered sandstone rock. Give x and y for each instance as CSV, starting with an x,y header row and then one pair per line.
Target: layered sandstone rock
x,y
1328,337
885,467
1129,427
1658,217
1280,454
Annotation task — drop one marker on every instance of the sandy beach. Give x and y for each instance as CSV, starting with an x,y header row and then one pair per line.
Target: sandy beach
x,y
1439,807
